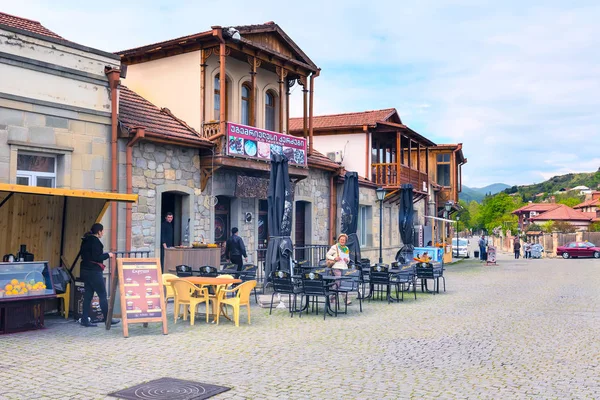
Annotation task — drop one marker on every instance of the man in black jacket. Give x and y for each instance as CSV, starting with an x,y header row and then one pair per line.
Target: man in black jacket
x,y
92,259
235,249
166,237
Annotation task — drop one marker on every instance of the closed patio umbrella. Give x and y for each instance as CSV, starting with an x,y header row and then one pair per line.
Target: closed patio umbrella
x,y
406,227
279,199
350,215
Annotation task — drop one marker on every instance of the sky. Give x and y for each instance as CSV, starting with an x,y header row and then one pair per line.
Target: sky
x,y
518,83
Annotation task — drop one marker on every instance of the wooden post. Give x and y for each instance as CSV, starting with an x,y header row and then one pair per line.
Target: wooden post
x,y
310,117
398,162
409,160
281,73
287,104
204,54
254,64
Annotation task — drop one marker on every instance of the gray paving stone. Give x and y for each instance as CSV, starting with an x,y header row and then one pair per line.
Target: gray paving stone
x,y
522,329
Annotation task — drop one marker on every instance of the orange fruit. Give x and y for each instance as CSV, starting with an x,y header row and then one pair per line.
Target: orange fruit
x,y
22,284
14,282
8,287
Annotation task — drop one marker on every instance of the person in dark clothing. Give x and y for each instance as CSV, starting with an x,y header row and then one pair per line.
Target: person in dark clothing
x,y
166,237
235,249
92,258
517,249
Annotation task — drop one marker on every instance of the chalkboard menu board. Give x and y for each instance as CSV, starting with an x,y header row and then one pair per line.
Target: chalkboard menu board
x,y
142,297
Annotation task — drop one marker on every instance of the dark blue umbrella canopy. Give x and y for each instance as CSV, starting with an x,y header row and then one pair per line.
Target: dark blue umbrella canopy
x,y
350,215
279,200
406,227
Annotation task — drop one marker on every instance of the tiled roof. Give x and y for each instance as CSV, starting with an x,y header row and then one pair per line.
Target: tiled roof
x,y
563,213
537,207
588,203
26,25
135,111
344,120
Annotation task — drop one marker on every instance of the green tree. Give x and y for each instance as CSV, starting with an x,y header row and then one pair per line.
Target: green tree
x,y
564,227
497,211
595,227
548,226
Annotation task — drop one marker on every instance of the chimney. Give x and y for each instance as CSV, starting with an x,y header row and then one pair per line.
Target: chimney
x,y
596,195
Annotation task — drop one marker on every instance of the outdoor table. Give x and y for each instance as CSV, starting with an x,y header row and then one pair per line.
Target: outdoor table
x,y
330,279
201,280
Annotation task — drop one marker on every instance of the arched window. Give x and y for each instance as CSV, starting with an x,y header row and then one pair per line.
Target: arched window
x,y
217,98
246,99
269,111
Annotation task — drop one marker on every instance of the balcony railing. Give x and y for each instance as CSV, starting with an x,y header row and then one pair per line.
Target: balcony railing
x,y
210,129
390,176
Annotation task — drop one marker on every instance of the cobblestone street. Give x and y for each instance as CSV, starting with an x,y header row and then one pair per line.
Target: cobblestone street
x,y
524,329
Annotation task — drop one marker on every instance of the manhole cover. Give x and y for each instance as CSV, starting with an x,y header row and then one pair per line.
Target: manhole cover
x,y
170,389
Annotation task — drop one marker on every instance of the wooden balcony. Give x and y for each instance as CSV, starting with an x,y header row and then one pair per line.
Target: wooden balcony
x,y
210,129
392,175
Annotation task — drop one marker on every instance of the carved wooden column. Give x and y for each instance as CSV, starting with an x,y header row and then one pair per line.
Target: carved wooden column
x,y
310,116
223,53
290,83
302,81
281,73
204,54
254,64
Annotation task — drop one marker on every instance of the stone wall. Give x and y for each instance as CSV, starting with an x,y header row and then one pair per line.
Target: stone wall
x,y
315,190
164,168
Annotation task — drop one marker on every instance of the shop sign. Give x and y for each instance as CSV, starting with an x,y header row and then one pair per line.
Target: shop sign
x,y
250,142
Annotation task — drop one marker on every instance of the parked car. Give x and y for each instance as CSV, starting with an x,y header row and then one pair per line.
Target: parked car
x,y
579,249
463,247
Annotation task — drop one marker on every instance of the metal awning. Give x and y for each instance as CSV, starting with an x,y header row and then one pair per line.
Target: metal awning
x,y
441,219
90,194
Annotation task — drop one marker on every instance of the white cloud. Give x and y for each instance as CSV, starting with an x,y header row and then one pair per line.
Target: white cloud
x,y
516,82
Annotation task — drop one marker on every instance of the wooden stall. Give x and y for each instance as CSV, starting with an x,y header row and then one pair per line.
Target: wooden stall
x,y
193,257
50,221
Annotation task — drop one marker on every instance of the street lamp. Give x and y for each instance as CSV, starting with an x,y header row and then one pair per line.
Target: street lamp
x,y
380,196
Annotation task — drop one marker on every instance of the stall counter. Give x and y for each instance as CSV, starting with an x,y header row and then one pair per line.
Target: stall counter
x,y
193,257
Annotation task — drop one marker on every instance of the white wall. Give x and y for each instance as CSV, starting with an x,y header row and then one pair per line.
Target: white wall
x,y
174,82
352,147
171,82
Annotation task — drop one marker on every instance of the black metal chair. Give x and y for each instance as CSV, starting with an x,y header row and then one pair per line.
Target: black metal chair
x,y
406,279
284,284
349,286
380,282
208,272
314,285
183,271
365,269
430,272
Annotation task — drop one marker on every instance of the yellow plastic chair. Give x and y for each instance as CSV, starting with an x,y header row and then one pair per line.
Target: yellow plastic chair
x,y
241,298
66,296
184,292
167,285
214,298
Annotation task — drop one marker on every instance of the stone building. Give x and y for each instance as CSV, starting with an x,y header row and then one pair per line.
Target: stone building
x,y
227,186
55,110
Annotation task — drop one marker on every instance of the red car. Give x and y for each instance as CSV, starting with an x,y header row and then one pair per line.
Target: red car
x,y
579,249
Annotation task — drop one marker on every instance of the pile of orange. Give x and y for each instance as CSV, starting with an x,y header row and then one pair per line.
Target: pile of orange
x,y
21,288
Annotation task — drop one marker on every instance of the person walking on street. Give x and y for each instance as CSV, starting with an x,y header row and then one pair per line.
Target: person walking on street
x,y
166,238
235,249
517,248
482,247
92,264
527,250
339,257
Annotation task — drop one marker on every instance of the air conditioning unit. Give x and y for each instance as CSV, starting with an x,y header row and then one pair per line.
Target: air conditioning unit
x,y
335,156
533,214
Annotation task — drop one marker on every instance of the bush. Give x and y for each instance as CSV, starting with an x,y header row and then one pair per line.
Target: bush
x,y
564,227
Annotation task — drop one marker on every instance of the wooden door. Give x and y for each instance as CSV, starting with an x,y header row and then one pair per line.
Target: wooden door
x,y
300,229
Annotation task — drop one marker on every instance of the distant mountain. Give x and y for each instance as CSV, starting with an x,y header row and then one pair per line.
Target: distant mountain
x,y
557,184
469,194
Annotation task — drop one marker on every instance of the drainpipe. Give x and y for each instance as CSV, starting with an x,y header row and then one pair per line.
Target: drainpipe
x,y
113,81
139,134
310,117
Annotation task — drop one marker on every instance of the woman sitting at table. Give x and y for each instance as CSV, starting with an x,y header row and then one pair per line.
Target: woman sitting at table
x,y
338,257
